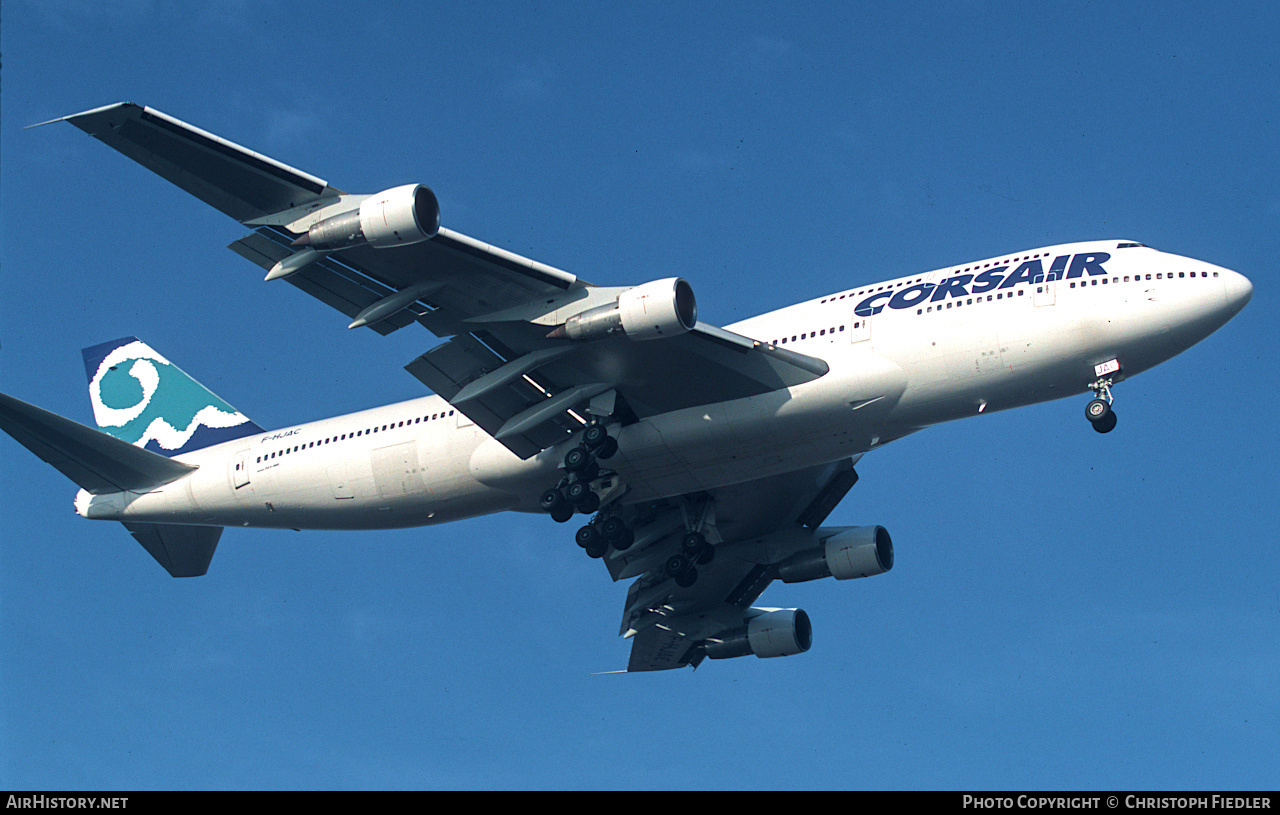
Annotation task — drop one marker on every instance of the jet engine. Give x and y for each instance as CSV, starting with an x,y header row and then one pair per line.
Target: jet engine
x,y
858,551
396,217
770,633
661,308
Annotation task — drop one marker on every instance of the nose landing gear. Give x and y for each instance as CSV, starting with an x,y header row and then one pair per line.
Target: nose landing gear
x,y
1099,411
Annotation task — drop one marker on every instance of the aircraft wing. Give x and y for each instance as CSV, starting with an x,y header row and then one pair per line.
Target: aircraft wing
x,y
499,367
755,526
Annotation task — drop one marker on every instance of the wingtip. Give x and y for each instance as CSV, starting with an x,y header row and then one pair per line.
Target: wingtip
x,y
83,113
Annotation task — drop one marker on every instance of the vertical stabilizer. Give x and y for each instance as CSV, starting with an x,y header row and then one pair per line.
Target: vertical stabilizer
x,y
142,398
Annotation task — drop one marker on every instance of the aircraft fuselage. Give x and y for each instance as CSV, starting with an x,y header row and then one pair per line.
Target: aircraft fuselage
x,y
903,354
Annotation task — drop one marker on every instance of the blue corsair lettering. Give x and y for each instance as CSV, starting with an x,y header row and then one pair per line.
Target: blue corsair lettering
x,y
1023,274
911,295
1056,271
961,285
866,307
1088,263
955,286
988,280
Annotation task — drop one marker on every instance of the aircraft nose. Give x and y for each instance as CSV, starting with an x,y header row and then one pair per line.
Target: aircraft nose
x,y
1238,289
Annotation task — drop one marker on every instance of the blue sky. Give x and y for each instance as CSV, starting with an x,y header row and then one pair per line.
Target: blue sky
x,y
1067,610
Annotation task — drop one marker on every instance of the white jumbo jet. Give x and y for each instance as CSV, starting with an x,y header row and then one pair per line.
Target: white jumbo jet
x,y
705,459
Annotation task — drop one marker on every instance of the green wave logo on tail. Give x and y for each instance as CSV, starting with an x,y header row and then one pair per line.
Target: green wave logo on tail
x,y
142,398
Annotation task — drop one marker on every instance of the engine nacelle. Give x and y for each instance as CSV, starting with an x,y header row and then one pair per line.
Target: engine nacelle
x,y
396,217
661,308
859,551
770,633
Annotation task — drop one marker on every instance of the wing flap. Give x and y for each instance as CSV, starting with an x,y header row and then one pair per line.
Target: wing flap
x,y
492,391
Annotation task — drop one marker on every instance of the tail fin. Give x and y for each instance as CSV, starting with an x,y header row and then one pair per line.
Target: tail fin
x,y
142,398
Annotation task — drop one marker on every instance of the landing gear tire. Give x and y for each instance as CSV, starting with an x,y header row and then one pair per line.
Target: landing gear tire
x,y
696,549
624,541
556,505
587,536
577,459
597,550
594,436
581,497
612,528
607,448
577,492
551,500
692,544
616,533
1106,424
677,564
680,569
1097,411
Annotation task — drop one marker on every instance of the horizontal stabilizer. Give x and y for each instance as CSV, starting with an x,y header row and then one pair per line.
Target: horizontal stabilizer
x,y
97,462
184,551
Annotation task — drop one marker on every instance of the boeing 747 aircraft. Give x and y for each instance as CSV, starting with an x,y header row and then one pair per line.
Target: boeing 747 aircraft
x,y
702,461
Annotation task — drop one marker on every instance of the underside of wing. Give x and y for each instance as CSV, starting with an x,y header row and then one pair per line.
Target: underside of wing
x,y
702,559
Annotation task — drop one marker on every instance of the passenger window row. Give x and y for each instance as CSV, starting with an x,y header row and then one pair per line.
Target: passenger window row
x,y
345,436
960,302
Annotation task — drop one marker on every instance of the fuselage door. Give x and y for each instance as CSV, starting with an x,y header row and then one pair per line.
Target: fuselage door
x,y
859,328
240,468
1045,294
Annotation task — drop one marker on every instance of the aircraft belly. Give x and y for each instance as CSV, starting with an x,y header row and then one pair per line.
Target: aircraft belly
x,y
840,414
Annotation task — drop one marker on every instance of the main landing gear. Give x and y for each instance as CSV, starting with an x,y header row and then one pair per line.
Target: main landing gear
x,y
597,536
1099,411
574,493
694,549
580,490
